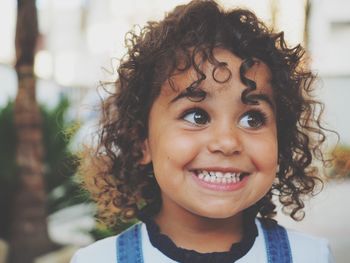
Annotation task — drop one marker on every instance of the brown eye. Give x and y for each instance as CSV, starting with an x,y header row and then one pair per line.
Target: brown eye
x,y
196,116
253,120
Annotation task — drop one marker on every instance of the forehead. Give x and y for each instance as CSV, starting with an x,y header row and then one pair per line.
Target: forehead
x,y
217,77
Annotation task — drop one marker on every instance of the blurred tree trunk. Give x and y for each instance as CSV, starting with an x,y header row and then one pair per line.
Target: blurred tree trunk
x,y
307,23
29,236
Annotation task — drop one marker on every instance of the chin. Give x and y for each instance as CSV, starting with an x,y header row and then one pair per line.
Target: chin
x,y
217,214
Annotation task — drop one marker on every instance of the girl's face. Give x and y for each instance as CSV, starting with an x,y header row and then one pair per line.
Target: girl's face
x,y
215,157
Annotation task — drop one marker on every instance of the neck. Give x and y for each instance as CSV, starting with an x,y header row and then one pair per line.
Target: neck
x,y
193,232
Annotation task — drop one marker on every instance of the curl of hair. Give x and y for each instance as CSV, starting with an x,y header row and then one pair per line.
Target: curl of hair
x,y
117,180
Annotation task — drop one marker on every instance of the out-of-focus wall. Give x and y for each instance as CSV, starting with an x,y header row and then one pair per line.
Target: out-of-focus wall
x,y
329,47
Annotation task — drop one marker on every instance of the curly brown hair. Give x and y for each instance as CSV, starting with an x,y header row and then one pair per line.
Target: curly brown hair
x,y
112,172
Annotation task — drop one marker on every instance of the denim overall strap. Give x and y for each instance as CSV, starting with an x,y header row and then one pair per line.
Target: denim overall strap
x,y
277,244
129,245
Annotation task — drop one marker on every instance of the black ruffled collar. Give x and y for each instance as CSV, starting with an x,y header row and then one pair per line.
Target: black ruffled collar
x,y
237,251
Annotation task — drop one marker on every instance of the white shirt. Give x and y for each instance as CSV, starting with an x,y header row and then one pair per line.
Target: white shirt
x,y
305,249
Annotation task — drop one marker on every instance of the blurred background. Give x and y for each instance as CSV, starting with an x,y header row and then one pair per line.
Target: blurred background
x,y
50,89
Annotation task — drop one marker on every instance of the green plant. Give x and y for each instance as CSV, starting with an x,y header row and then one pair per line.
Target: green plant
x,y
59,162
60,166
8,182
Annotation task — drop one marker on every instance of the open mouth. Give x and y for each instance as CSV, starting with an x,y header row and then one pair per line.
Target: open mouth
x,y
215,177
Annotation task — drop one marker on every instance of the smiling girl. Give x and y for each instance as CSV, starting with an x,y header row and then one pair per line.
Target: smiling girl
x,y
211,117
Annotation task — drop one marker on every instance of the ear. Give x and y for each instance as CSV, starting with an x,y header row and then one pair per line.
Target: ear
x,y
146,153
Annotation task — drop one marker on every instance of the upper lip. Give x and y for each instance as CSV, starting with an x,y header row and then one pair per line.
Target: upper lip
x,y
220,169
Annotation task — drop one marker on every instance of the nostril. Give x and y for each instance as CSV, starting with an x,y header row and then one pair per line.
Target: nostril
x,y
227,145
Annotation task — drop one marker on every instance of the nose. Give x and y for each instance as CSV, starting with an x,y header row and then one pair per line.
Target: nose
x,y
225,140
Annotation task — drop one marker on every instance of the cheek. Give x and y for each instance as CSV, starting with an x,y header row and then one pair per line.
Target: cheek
x,y
174,149
171,156
264,153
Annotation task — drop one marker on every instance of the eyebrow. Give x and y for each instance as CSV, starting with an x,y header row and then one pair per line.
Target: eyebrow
x,y
262,97
200,94
195,94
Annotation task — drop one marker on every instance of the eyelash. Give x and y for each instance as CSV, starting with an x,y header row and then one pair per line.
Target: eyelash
x,y
256,115
193,111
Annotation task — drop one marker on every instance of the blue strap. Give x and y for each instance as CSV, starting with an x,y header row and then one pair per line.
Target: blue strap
x,y
129,245
277,244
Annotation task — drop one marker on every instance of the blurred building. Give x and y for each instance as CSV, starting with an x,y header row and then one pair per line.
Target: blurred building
x,y
329,46
82,41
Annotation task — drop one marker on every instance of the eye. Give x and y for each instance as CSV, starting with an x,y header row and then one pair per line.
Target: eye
x,y
253,120
196,116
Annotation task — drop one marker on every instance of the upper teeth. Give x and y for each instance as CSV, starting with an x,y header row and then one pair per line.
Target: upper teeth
x,y
219,177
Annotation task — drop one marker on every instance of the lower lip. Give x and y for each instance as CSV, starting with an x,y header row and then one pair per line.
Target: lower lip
x,y
221,187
